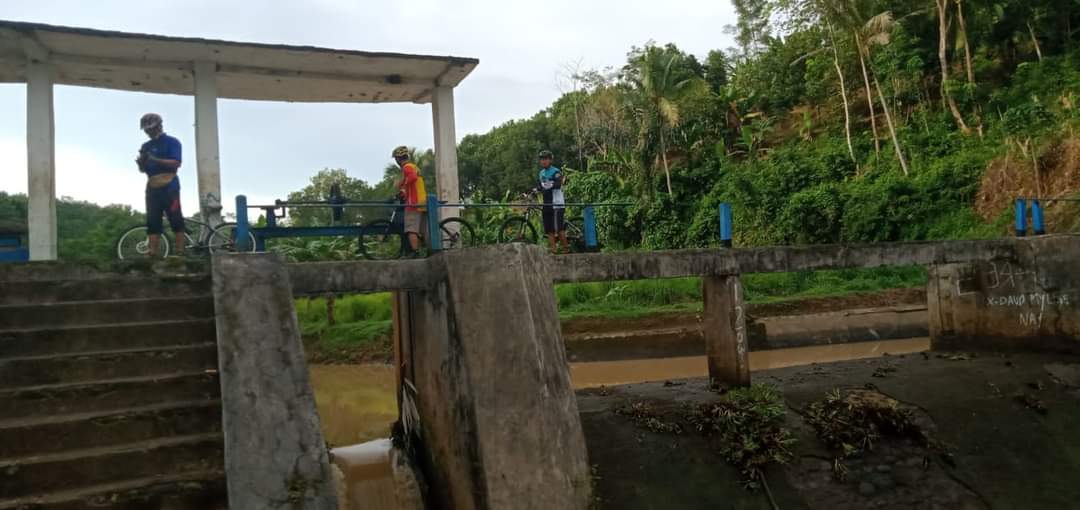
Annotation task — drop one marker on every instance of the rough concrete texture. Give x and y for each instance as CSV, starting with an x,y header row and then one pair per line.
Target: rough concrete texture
x,y
275,453
1031,302
773,259
358,276
498,415
724,327
375,276
984,410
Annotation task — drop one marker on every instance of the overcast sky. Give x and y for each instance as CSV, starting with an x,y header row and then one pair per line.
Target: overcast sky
x,y
269,149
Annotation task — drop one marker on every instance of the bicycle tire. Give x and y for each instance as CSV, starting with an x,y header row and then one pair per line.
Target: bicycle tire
x,y
517,229
134,243
575,235
196,238
455,238
223,239
379,240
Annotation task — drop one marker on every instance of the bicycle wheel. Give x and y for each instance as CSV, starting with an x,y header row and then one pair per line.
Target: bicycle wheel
x,y
134,243
517,230
379,240
196,238
575,235
456,234
223,239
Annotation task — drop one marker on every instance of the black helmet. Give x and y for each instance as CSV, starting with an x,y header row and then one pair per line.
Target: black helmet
x,y
150,120
545,154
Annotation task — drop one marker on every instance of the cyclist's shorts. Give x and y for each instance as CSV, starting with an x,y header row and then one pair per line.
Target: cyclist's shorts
x,y
415,222
554,221
163,201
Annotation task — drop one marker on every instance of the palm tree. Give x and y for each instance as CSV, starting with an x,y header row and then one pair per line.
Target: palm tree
x,y
877,31
663,83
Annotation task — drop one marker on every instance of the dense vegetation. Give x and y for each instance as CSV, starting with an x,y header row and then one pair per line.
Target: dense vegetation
x,y
86,231
834,120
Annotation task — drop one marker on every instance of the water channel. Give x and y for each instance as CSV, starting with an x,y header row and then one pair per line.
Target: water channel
x,y
357,402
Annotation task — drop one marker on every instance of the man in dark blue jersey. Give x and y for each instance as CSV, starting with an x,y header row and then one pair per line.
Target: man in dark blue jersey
x,y
159,159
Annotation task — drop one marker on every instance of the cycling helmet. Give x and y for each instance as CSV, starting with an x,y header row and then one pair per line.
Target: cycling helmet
x,y
400,152
150,120
545,154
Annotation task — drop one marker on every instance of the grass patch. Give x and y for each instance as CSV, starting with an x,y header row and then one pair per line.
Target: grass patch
x,y
361,329
362,322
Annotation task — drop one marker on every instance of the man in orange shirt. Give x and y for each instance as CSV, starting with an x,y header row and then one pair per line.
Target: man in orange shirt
x,y
411,188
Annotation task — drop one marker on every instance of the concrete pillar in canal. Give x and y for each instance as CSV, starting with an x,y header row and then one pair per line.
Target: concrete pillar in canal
x,y
498,419
724,325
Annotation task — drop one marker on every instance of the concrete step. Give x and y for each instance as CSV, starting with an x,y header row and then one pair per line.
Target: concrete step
x,y
104,337
85,313
45,474
120,287
195,490
107,395
42,435
114,364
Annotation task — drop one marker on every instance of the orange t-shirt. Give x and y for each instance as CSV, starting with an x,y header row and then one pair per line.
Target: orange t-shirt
x,y
412,184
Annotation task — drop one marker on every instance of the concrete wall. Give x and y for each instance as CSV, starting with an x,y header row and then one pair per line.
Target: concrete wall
x,y
1027,302
275,455
498,415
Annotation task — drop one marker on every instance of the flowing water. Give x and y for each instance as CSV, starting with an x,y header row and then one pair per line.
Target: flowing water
x,y
357,402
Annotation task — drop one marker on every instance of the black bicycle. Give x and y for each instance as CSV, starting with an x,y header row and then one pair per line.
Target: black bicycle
x,y
386,239
522,228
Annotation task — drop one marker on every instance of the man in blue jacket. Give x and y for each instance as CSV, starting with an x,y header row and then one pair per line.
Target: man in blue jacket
x,y
159,159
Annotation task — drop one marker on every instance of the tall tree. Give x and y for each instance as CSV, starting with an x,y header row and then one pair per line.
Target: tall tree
x,y
843,96
877,31
663,83
752,27
943,57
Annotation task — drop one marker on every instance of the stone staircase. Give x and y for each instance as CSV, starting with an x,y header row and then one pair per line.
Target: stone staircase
x,y
109,393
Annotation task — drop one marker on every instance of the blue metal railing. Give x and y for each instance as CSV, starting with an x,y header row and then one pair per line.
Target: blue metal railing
x,y
244,230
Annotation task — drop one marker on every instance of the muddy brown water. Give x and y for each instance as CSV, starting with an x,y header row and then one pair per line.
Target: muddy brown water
x,y
357,403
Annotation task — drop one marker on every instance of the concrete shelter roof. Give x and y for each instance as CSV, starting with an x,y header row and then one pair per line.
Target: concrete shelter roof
x,y
272,72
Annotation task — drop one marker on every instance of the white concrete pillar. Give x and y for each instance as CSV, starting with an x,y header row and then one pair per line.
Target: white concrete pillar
x,y
446,166
208,160
41,160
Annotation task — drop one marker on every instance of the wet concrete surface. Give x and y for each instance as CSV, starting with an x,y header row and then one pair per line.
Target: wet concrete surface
x,y
984,409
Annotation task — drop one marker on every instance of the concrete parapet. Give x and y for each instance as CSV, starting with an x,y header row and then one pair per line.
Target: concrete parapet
x,y
498,416
1029,302
275,456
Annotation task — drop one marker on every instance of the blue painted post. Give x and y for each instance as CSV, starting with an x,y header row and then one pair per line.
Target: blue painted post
x,y
1021,217
434,236
1037,218
725,225
590,227
242,226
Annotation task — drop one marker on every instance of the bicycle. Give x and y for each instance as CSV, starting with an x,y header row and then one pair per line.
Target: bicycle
x,y
521,228
200,240
386,239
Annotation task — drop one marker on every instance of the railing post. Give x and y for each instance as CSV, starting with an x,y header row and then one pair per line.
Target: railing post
x,y
725,225
1021,217
242,226
1037,218
434,237
589,218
